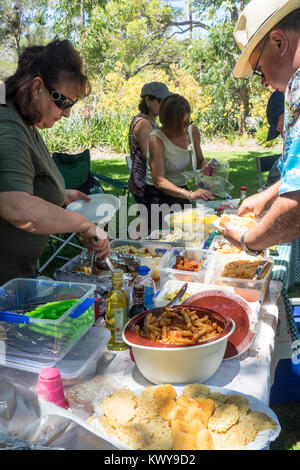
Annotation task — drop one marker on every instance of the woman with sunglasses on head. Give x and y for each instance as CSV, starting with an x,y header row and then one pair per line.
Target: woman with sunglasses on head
x,y
141,127
169,154
47,83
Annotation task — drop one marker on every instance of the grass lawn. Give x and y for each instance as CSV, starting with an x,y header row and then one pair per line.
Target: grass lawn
x,y
242,173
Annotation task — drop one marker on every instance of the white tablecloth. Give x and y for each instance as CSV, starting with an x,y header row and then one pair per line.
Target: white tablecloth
x,y
251,373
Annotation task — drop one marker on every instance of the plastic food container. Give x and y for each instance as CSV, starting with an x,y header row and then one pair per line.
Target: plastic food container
x,y
192,220
172,286
250,290
167,272
178,237
41,342
155,248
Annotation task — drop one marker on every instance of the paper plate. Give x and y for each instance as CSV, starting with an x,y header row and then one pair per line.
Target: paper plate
x,y
233,306
100,209
216,223
261,441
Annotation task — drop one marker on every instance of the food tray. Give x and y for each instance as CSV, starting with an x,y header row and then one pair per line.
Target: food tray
x,y
167,272
192,288
250,290
40,342
178,237
261,442
141,260
102,281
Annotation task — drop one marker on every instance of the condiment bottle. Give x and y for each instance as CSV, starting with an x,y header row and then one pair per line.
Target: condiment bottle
x,y
116,311
143,278
243,195
138,301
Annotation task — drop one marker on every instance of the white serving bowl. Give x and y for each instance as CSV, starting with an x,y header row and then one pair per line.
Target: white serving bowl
x,y
178,364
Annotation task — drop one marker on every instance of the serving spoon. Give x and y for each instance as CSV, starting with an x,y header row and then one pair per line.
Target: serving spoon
x,y
158,310
260,270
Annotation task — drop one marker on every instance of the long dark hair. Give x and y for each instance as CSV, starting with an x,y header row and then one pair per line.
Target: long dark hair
x,y
57,61
171,112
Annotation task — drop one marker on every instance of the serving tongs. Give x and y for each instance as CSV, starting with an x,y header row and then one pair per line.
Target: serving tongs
x,y
159,310
107,260
260,270
110,265
93,269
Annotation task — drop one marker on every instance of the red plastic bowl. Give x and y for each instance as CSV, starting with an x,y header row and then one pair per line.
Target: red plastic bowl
x,y
231,306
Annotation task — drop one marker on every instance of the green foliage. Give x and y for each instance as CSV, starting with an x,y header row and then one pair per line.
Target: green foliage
x,y
261,137
125,43
78,133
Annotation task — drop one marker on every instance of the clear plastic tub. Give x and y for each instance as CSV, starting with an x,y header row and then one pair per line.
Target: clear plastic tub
x,y
251,290
167,272
40,342
178,237
172,286
191,220
156,251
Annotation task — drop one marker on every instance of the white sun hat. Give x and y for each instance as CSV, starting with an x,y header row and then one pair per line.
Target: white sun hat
x,y
255,21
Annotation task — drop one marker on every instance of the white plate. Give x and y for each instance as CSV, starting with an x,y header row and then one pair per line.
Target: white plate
x,y
261,441
100,209
216,223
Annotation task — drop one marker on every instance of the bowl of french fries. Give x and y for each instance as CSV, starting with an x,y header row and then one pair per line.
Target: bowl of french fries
x,y
178,344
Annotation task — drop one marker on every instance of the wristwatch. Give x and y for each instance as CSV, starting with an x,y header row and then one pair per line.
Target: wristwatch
x,y
246,249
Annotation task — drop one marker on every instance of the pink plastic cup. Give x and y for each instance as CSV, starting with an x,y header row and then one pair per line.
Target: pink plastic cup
x,y
50,388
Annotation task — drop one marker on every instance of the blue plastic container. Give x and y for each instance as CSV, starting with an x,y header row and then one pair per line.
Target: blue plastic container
x,y
286,386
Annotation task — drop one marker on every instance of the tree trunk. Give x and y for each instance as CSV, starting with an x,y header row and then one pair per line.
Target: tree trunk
x,y
83,33
244,105
191,20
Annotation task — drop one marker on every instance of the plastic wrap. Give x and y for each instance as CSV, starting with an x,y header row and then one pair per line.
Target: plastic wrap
x,y
21,425
213,177
261,441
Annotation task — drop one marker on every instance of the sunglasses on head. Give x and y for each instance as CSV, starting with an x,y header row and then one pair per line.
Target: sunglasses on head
x,y
62,102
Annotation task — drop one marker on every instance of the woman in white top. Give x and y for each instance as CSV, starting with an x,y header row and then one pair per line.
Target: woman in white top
x,y
169,154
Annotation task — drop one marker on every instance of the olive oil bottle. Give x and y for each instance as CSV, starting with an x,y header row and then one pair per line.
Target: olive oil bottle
x,y
116,311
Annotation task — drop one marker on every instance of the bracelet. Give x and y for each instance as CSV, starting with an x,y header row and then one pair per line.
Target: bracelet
x,y
246,249
181,193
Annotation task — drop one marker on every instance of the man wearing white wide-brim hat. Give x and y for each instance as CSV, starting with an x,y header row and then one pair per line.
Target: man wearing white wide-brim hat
x,y
268,34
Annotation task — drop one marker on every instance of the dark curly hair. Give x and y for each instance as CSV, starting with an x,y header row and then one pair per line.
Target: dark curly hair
x,y
143,106
56,62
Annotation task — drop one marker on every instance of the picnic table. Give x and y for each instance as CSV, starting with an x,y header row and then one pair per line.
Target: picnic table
x,y
251,373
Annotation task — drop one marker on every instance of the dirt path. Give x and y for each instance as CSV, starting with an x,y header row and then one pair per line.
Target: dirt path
x,y
103,153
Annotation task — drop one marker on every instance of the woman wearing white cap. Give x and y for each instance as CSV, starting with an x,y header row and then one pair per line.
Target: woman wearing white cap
x,y
268,34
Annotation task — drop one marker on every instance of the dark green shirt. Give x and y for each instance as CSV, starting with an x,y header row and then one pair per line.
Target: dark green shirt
x,y
25,165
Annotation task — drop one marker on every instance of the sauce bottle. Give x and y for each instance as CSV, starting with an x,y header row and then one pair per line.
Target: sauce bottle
x,y
138,301
243,195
